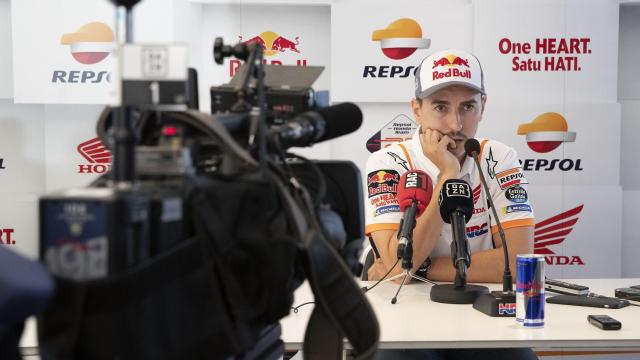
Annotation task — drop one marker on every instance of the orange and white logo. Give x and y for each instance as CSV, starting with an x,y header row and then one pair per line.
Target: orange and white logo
x,y
546,132
401,39
91,43
553,231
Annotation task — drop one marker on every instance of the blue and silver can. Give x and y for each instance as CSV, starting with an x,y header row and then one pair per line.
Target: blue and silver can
x,y
530,290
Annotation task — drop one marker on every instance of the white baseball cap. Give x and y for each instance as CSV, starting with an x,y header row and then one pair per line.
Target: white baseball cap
x,y
445,68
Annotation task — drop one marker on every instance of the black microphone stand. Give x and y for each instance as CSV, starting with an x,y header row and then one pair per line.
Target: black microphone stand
x,y
407,257
497,303
122,133
459,292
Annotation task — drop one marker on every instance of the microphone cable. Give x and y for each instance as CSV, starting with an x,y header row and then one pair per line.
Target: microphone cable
x,y
364,288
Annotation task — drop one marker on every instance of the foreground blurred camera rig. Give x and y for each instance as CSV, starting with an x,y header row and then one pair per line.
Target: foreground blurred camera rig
x,y
170,226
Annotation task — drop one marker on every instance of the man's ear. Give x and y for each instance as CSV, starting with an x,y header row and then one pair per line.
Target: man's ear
x,y
483,101
415,107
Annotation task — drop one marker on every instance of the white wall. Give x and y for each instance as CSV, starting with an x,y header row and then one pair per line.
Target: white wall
x,y
629,97
6,62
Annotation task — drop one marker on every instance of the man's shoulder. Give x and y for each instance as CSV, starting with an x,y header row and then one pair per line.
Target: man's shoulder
x,y
392,156
494,149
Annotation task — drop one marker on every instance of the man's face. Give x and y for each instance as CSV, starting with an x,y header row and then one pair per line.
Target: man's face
x,y
454,111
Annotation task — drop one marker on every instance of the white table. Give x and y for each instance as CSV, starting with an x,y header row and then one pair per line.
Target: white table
x,y
417,322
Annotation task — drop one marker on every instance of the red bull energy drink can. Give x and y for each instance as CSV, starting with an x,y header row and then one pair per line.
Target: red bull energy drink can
x,y
530,290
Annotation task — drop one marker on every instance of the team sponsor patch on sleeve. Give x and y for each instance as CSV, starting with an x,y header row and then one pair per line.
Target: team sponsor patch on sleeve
x,y
511,177
383,182
516,208
383,200
516,194
386,209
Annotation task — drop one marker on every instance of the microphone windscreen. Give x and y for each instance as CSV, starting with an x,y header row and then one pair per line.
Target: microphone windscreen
x,y
340,120
415,185
455,195
472,146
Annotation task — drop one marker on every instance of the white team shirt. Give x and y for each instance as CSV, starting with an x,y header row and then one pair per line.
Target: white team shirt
x,y
502,171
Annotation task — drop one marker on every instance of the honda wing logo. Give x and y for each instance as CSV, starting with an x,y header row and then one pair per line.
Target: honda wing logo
x,y
476,194
98,156
553,231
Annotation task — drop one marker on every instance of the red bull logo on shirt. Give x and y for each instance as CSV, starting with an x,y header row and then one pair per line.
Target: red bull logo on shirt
x,y
273,44
383,182
89,45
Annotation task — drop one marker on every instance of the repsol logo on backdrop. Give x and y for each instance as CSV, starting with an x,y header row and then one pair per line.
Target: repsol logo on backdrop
x,y
388,71
80,77
551,164
88,45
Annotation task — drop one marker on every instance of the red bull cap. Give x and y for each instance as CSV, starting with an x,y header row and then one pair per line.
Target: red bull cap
x,y
448,67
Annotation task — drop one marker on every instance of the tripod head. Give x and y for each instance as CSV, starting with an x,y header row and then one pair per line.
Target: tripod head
x,y
129,4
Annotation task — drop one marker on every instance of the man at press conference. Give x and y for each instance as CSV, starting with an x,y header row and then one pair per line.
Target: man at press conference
x,y
449,102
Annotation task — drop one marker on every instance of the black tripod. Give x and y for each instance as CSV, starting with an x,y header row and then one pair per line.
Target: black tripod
x,y
407,265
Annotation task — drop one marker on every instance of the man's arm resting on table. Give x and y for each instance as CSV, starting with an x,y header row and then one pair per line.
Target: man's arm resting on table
x,y
488,265
425,235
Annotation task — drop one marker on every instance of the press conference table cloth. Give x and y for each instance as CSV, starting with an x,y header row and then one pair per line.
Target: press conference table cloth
x,y
417,322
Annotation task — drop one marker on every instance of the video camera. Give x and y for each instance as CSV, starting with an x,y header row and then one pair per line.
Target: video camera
x,y
207,224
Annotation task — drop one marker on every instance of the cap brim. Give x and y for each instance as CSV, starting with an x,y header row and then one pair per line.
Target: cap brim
x,y
438,87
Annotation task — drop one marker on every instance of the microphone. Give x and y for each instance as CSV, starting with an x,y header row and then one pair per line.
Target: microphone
x,y
318,125
497,303
456,208
414,193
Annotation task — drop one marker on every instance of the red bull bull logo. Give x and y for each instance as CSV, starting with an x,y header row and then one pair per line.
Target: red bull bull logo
x,y
383,182
446,61
454,65
273,44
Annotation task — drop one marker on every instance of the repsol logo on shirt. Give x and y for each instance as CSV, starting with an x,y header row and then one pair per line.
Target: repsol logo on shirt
x,y
553,164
